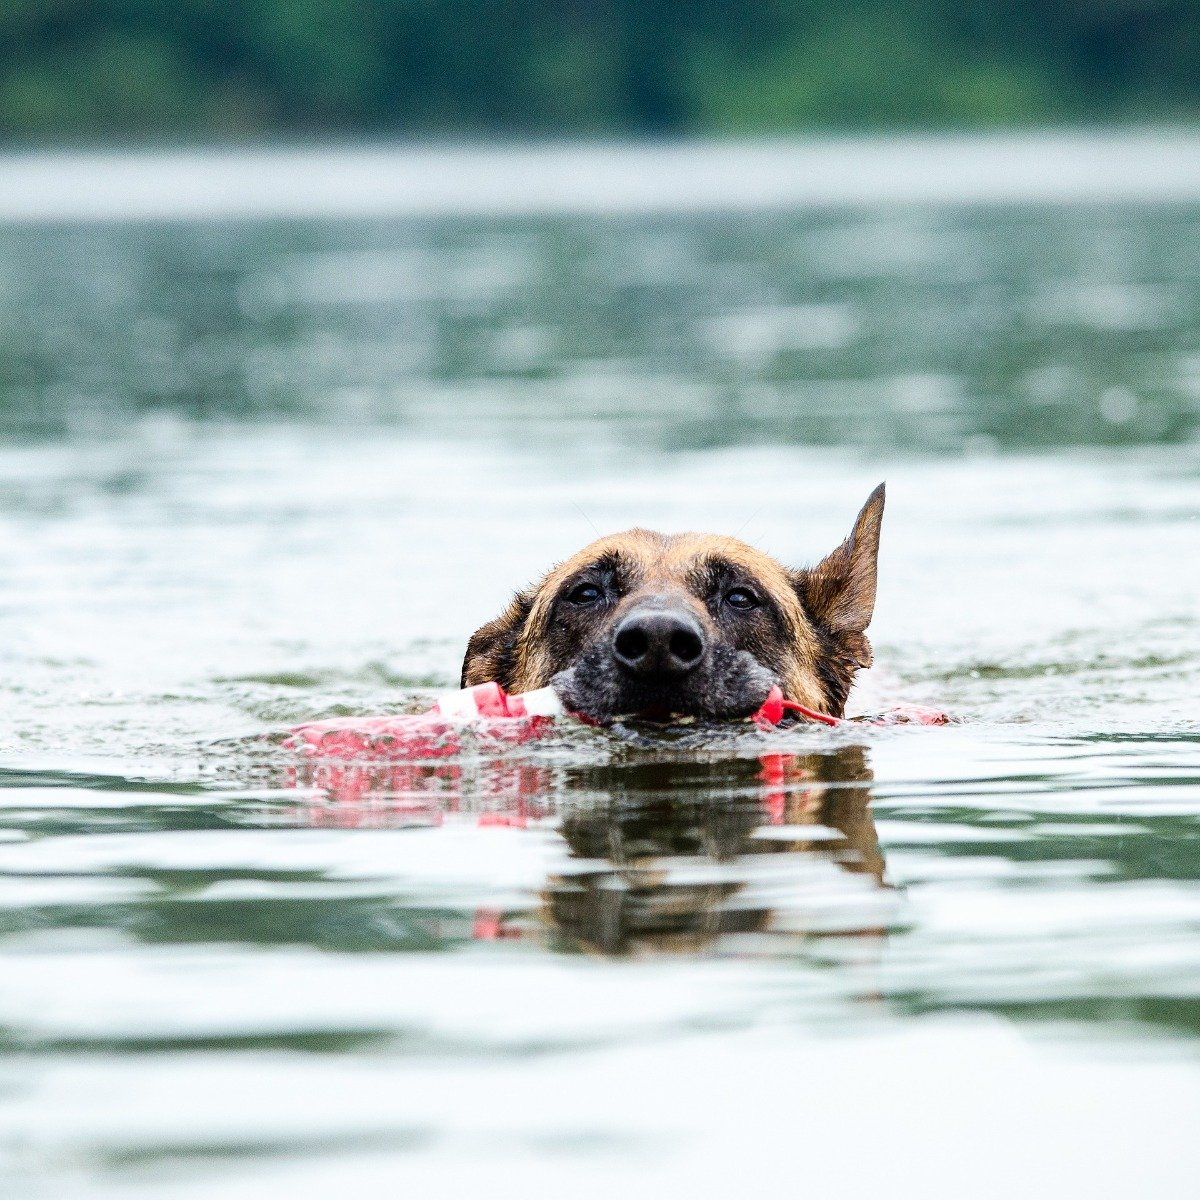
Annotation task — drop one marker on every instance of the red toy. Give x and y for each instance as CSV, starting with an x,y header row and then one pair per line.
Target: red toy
x,y
492,715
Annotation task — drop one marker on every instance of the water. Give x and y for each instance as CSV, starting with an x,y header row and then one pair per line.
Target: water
x,y
262,471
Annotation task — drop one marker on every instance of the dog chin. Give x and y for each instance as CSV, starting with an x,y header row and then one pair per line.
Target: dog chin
x,y
733,686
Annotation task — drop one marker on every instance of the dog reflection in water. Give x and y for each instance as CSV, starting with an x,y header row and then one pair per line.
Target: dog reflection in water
x,y
720,856
658,856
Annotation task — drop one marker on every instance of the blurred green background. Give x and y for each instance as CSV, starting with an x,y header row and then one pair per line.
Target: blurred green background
x,y
134,70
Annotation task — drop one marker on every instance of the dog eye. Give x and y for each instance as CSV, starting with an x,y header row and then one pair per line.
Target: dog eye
x,y
585,593
742,599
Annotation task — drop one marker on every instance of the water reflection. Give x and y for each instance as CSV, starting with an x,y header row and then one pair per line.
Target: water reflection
x,y
650,856
932,330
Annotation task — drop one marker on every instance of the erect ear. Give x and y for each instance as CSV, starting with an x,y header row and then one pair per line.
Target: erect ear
x,y
839,592
491,652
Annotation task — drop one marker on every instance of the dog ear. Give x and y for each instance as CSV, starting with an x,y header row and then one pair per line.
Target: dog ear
x,y
491,652
839,592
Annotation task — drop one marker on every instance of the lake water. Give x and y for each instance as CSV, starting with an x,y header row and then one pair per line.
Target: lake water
x,y
268,458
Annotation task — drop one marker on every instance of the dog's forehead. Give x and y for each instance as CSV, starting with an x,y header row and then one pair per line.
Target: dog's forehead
x,y
673,557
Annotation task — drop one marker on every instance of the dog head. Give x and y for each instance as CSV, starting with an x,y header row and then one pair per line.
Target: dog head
x,y
687,624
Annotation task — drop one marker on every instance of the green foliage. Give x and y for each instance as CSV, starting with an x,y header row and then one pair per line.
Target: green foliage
x,y
873,69
146,68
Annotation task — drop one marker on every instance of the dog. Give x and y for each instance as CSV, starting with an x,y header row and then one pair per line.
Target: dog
x,y
687,625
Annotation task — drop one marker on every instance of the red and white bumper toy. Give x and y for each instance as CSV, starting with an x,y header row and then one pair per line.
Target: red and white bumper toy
x,y
492,714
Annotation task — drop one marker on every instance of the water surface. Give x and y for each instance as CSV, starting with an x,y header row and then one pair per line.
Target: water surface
x,y
262,471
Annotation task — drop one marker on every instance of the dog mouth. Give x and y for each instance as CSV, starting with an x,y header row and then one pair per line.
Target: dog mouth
x,y
727,685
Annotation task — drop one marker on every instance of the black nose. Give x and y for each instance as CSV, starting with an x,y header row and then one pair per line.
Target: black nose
x,y
658,641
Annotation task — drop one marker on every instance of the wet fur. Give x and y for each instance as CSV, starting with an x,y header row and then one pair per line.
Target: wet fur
x,y
807,634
